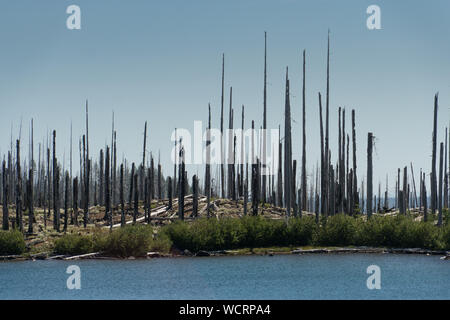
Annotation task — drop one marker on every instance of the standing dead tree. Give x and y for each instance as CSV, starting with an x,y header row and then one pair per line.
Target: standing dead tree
x,y
208,160
287,149
5,222
195,196
369,174
55,189
280,174
441,156
222,157
327,147
433,159
264,137
181,186
323,161
303,187
31,217
108,213
66,201
122,200
169,194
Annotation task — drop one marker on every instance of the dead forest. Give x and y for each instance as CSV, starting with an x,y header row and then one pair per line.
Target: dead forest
x,y
38,192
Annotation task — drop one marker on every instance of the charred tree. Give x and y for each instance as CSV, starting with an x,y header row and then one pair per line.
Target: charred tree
x,y
303,187
441,156
5,222
122,200
369,174
433,159
75,200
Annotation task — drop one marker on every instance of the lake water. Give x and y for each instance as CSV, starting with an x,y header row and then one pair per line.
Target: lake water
x,y
282,277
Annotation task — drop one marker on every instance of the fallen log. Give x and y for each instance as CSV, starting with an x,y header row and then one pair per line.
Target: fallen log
x,y
83,256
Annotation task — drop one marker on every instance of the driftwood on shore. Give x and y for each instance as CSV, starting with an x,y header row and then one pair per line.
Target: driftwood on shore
x,y
83,256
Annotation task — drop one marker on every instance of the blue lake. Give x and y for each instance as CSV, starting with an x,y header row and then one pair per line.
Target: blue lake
x,y
282,277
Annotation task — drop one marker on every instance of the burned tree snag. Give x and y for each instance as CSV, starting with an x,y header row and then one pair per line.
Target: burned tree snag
x,y
303,187
75,200
136,198
195,196
369,174
122,200
66,201
441,156
5,222
107,187
433,159
169,194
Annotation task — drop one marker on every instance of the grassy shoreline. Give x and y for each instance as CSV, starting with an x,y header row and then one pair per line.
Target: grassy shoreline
x,y
246,235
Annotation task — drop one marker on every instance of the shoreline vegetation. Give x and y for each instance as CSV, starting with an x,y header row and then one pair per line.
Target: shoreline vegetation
x,y
119,208
239,236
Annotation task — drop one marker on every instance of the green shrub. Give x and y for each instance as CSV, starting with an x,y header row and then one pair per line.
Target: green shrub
x,y
300,231
339,230
446,237
127,241
74,244
161,243
11,243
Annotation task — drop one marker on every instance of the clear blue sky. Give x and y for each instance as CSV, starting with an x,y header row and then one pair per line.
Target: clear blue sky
x,y
160,61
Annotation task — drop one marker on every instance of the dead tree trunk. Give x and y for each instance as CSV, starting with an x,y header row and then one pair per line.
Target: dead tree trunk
x,y
433,159
414,184
181,186
355,181
57,198
55,164
108,212
264,137
159,179
327,147
136,198
405,189
280,174
303,187
169,194
369,174
66,201
122,200
75,200
323,177
441,158
222,157
425,200
5,225
287,150
130,198
102,170
294,186
246,190
332,192
445,173
208,159
230,148
30,202
195,196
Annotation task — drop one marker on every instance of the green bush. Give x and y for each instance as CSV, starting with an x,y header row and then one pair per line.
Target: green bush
x,y
446,237
300,231
127,241
338,230
247,232
11,243
74,244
